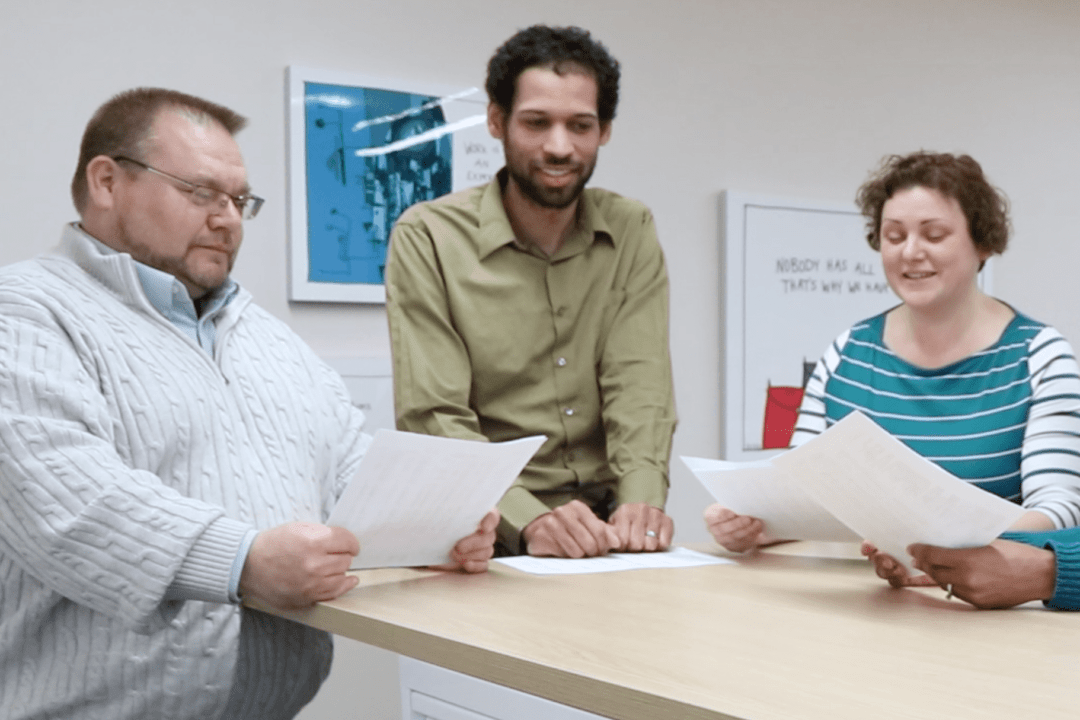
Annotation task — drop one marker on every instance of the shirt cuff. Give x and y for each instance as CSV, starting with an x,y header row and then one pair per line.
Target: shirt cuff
x,y
238,565
1067,559
1067,580
207,572
518,508
643,486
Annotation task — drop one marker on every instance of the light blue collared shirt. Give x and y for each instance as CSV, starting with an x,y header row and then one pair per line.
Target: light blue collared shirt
x,y
172,300
169,297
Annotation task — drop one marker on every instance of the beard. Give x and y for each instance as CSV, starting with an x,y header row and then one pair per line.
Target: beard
x,y
200,278
548,197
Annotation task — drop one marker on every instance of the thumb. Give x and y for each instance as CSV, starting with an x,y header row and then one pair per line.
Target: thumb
x,y
342,541
489,522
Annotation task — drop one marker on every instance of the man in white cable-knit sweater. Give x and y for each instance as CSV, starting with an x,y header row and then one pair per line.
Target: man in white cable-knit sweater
x,y
166,446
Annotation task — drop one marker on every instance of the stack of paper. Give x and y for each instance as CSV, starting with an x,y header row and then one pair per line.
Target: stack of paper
x,y
856,481
675,557
415,496
758,489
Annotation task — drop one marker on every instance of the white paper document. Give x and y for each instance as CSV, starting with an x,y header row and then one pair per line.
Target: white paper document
x,y
856,481
891,495
675,557
415,496
757,489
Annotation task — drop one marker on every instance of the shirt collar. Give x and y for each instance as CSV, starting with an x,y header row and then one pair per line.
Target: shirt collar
x,y
167,294
495,230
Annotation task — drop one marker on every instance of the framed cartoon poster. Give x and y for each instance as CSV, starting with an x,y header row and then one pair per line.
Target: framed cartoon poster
x,y
361,151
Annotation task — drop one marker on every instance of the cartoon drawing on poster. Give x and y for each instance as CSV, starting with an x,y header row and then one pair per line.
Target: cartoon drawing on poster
x,y
796,275
362,151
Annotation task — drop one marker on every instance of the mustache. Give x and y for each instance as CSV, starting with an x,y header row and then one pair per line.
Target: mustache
x,y
563,165
228,247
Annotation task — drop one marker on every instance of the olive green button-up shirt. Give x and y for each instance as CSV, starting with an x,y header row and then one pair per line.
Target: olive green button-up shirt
x,y
494,340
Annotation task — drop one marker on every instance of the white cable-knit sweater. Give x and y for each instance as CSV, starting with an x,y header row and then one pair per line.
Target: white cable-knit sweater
x,y
132,464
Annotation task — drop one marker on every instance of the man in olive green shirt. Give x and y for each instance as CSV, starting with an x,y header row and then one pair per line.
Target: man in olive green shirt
x,y
533,306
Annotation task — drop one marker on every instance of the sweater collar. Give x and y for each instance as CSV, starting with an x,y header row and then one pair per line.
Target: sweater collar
x,y
119,272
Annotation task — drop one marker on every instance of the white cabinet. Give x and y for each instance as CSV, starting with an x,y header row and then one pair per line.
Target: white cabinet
x,y
429,692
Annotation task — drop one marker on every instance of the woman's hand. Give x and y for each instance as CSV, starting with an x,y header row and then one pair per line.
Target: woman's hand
x,y
888,568
736,533
1000,575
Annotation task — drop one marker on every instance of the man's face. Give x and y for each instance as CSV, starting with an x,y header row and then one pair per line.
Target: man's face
x,y
551,136
159,224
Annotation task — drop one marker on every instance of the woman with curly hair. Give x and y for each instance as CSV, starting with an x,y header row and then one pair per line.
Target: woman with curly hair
x,y
961,377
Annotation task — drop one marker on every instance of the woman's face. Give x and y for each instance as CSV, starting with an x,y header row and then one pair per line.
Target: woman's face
x,y
927,253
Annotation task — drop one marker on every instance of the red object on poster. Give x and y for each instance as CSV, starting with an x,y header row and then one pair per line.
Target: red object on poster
x,y
781,411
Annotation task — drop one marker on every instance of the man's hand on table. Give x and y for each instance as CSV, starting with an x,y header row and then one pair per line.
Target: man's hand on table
x,y
571,531
641,528
298,564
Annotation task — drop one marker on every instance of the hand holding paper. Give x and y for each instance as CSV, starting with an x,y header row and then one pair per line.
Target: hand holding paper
x,y
295,565
416,496
758,490
471,553
999,575
892,570
734,532
891,495
855,481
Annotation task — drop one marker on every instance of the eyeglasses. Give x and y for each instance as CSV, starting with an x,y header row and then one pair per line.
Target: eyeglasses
x,y
201,195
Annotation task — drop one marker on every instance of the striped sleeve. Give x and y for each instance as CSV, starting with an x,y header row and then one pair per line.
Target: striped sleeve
x,y
811,421
1050,464
1065,544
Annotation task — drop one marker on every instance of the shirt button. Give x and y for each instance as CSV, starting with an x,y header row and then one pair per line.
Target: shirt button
x,y
568,411
560,311
561,362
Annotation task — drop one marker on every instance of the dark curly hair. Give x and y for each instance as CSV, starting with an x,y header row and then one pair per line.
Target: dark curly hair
x,y
563,49
956,176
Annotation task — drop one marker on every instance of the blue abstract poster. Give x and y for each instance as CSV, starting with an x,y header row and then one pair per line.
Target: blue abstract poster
x,y
361,152
353,201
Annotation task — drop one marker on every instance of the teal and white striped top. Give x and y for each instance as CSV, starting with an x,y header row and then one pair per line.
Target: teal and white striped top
x,y
1006,418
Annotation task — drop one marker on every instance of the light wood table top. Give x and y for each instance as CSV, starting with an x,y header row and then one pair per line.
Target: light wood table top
x,y
785,633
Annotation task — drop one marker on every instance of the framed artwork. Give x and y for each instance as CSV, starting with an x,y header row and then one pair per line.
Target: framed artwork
x,y
795,275
361,151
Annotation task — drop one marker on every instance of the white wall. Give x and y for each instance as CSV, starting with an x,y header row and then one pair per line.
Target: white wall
x,y
786,97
